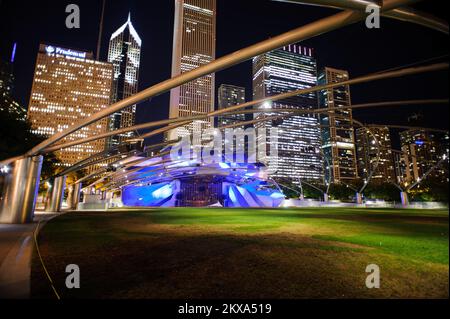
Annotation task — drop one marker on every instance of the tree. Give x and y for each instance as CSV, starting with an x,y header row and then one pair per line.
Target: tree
x,y
16,138
380,190
341,192
290,190
430,190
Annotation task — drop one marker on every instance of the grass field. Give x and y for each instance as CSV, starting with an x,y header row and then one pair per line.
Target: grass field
x,y
246,253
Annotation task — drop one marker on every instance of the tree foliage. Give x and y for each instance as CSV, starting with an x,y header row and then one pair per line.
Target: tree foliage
x,y
16,138
430,190
15,135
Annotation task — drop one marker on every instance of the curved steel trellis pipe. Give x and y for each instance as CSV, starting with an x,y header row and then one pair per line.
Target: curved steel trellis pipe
x,y
358,80
114,176
81,165
403,14
407,127
313,111
103,170
352,107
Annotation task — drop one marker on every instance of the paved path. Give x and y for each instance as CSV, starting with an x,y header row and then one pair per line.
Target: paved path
x,y
16,249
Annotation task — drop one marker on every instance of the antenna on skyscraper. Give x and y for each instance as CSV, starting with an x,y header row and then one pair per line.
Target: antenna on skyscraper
x,y
100,31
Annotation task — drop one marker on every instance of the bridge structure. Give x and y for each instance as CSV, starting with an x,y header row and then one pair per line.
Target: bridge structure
x,y
131,163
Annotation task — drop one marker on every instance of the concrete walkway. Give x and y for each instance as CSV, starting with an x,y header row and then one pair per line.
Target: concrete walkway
x,y
16,249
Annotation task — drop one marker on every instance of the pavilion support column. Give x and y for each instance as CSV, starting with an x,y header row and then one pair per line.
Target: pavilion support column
x,y
69,196
359,199
20,191
404,198
76,195
55,203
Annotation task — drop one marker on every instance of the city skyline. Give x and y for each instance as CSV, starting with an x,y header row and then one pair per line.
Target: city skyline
x,y
157,108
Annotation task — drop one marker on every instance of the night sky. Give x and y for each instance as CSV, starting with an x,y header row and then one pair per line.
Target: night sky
x,y
240,23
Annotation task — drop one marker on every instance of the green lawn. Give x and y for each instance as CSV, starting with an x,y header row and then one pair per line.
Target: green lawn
x,y
247,253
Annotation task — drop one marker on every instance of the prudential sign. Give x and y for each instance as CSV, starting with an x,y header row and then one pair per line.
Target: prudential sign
x,y
67,52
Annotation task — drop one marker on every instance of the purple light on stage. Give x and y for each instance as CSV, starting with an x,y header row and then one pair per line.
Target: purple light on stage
x,y
13,54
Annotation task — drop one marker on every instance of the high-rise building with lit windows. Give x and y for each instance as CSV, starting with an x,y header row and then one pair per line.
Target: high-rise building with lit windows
x,y
7,102
368,150
338,138
69,86
287,69
194,44
422,150
125,54
230,95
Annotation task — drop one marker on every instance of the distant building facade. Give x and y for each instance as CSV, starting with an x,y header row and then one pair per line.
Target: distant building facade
x,y
7,102
286,69
125,54
368,150
230,95
194,45
69,86
421,151
338,140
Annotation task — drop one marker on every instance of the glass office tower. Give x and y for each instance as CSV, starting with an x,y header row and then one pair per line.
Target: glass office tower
x,y
286,69
194,44
338,139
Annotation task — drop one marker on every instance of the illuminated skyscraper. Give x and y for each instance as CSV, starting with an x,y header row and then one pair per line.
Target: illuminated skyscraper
x,y
69,86
230,95
125,54
6,77
338,140
7,102
194,44
421,151
367,151
287,69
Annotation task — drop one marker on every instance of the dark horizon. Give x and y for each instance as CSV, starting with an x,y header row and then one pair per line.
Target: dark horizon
x,y
354,48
